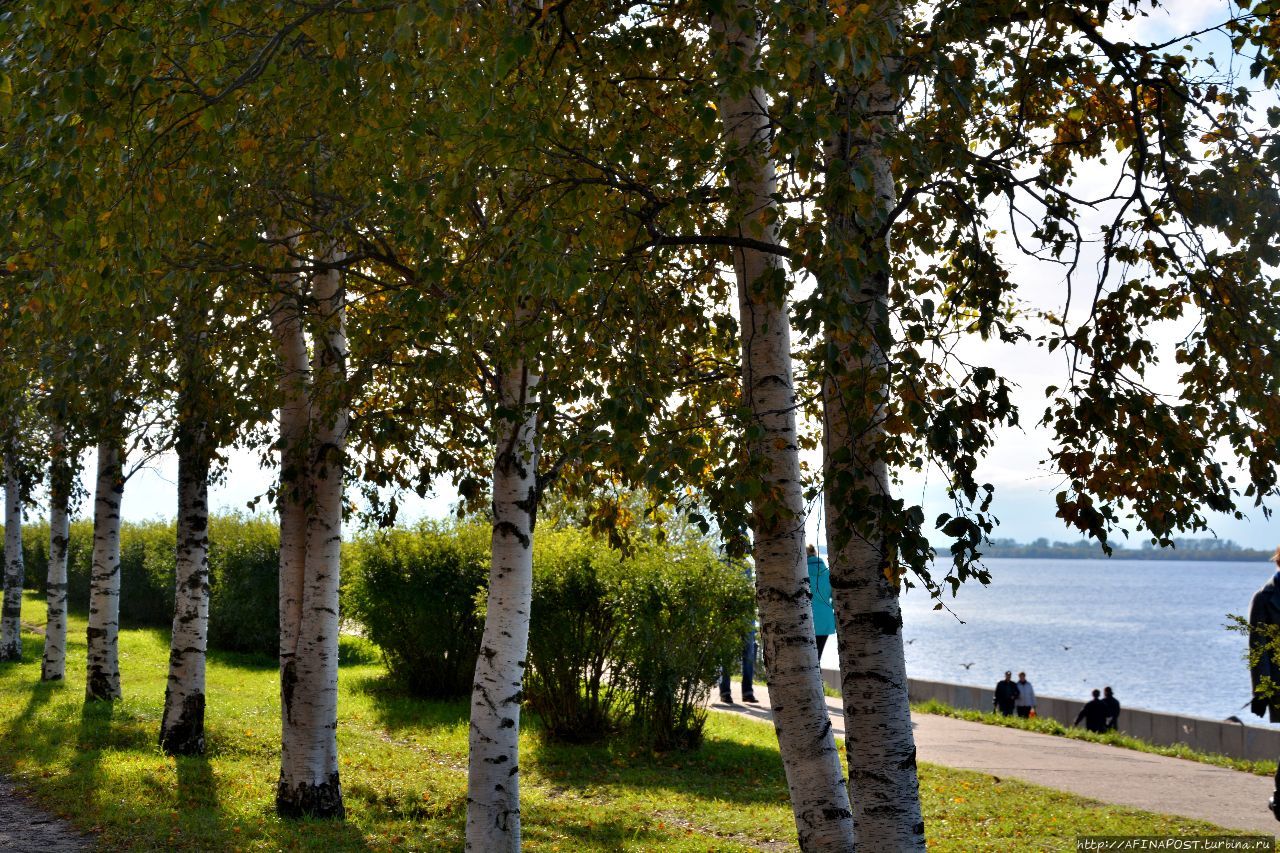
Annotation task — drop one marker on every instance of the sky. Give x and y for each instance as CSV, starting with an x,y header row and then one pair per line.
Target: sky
x,y
1024,487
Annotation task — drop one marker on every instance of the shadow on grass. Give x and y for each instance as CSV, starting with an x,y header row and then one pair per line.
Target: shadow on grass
x,y
110,777
723,768
197,788
597,833
249,661
93,735
397,710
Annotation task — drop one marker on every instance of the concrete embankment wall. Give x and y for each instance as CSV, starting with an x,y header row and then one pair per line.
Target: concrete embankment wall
x,y
1200,733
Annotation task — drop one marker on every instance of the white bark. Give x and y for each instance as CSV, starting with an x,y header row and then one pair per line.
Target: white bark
x,y
493,777
879,744
53,665
816,783
182,727
309,783
294,374
11,613
103,680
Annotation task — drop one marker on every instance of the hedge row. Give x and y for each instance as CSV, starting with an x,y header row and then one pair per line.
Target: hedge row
x,y
614,642
243,576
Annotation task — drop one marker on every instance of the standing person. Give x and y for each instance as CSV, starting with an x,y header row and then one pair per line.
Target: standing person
x,y
1026,702
1264,622
748,671
1094,714
1006,695
748,656
1113,709
824,617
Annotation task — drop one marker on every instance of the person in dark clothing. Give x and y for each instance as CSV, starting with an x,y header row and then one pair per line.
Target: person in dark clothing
x,y
748,672
1113,709
1006,695
1094,714
1264,619
748,659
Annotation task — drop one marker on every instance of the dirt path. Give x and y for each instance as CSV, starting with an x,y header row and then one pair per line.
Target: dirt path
x,y
1124,777
26,827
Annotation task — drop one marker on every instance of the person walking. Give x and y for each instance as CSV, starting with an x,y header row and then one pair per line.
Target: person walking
x,y
1094,714
1026,702
1006,695
1113,709
1264,625
824,616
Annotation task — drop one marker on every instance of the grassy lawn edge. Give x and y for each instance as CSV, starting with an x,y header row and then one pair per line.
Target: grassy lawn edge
x,y
1046,726
403,763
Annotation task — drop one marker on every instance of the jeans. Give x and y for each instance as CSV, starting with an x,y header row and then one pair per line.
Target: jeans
x,y
748,666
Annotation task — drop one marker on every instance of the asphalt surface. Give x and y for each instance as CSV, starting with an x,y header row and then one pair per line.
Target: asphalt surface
x,y
28,828
1125,777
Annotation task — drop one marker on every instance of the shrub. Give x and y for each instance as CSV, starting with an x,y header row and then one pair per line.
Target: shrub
x,y
243,571
685,613
244,584
612,641
414,591
575,630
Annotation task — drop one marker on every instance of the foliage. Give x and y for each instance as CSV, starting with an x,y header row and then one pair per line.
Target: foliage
x,y
686,612
243,572
614,639
414,592
576,631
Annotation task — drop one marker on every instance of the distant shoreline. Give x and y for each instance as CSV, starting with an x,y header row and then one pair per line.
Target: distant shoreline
x,y
1093,552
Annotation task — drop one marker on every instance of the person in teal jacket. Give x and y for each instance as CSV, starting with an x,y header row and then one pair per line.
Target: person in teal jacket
x,y
824,618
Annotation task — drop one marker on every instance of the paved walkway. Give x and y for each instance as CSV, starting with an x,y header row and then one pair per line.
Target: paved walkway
x,y
1154,783
25,827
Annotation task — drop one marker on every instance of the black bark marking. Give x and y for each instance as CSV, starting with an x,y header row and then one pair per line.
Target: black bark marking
x,y
288,681
507,528
310,800
185,734
884,621
100,686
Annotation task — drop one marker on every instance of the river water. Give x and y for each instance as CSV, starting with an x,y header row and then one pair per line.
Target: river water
x,y
1152,630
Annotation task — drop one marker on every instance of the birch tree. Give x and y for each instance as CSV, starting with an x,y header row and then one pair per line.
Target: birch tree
x,y
883,785
814,776
102,682
61,484
14,573
493,781
313,424
182,726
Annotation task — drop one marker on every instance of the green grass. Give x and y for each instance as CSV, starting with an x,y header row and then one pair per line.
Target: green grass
x,y
1053,727
404,773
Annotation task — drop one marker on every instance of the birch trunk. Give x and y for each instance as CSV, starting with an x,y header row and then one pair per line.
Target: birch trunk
x,y
293,496
182,727
11,613
54,663
493,777
309,785
103,678
879,744
819,796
